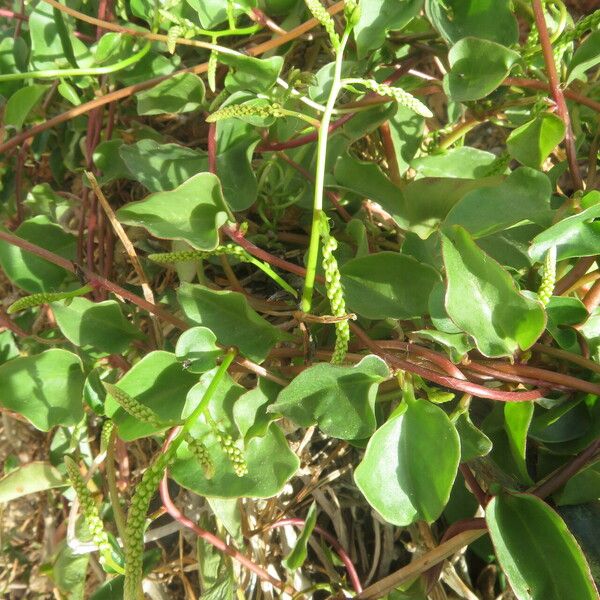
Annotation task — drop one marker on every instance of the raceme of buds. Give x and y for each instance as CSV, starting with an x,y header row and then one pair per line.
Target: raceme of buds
x,y
254,109
403,98
234,454
136,409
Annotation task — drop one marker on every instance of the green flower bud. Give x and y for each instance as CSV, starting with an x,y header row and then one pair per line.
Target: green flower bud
x,y
136,409
172,35
200,452
548,277
234,454
403,98
250,109
320,14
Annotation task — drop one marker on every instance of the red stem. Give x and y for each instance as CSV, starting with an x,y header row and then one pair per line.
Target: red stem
x,y
557,93
473,485
390,153
333,542
212,148
218,543
592,298
580,268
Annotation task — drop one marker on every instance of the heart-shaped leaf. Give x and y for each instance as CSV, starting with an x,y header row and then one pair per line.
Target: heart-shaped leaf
x,y
98,324
192,212
388,284
46,388
532,143
339,399
158,381
478,67
181,93
229,316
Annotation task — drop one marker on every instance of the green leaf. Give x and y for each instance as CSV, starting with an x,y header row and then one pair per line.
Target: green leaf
x,y
197,348
406,206
295,559
536,550
582,487
158,381
410,464
489,19
251,74
523,196
473,442
46,388
517,418
97,324
22,102
478,67
192,212
235,144
585,57
46,45
457,344
377,17
250,412
69,572
339,399
388,284
564,312
9,49
181,93
28,271
229,316
532,143
481,298
270,461
574,236
28,479
463,162
406,128
159,167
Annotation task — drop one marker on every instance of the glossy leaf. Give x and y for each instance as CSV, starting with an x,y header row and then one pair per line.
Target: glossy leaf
x,y
197,350
178,94
98,324
410,464
489,19
582,487
158,381
248,73
481,298
229,316
235,144
339,399
532,143
192,212
517,418
463,162
377,17
45,388
473,442
523,196
30,272
478,67
22,102
160,167
574,236
251,410
29,479
387,284
523,528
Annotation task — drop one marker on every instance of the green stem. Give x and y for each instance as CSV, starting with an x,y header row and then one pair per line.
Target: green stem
x,y
313,248
54,73
134,535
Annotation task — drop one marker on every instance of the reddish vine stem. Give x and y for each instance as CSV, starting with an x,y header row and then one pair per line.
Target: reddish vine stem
x,y
473,485
559,477
212,539
333,542
592,299
557,93
580,268
390,153
125,92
